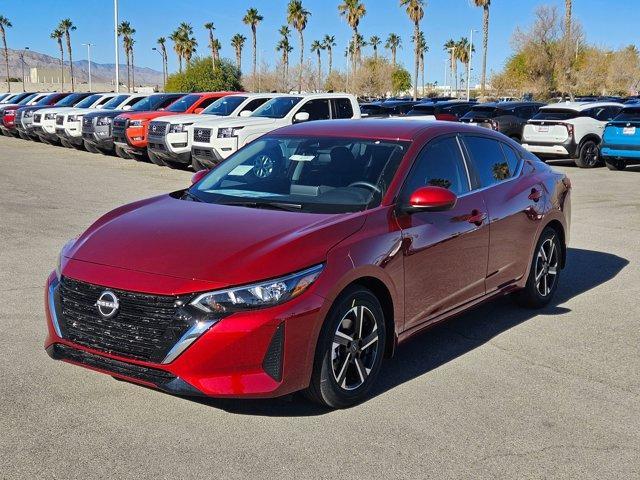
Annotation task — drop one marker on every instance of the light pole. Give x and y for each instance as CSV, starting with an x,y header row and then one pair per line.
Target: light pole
x,y
115,36
89,45
469,66
164,78
22,63
452,51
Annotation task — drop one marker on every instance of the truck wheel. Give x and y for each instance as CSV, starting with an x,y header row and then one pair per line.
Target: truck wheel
x,y
615,164
122,154
589,156
90,148
196,165
156,159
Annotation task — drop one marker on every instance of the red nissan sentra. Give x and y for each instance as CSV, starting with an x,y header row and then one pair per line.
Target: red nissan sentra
x,y
305,258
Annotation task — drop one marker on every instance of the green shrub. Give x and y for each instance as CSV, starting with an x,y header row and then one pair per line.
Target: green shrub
x,y
199,76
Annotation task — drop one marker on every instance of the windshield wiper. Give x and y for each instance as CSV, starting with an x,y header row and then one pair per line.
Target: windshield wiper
x,y
188,195
289,207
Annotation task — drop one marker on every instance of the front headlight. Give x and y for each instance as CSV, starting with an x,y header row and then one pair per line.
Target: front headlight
x,y
50,116
179,127
258,295
104,121
136,123
229,132
74,118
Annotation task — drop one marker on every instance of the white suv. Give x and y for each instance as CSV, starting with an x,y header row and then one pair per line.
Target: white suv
x,y
569,130
69,122
169,138
213,144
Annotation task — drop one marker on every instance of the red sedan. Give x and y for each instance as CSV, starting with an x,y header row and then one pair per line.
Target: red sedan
x,y
305,258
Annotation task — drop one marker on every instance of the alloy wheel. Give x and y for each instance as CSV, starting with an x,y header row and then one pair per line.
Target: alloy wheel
x,y
546,266
591,154
355,347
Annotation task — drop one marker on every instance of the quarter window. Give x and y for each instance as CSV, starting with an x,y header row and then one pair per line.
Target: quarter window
x,y
489,161
317,109
440,164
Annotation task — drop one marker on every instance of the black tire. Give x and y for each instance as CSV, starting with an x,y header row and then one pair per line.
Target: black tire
x,y
156,159
346,378
615,164
589,155
121,153
176,165
196,165
533,295
90,148
65,143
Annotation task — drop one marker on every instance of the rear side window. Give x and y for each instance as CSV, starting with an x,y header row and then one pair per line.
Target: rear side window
x,y
342,108
317,109
607,113
440,164
489,161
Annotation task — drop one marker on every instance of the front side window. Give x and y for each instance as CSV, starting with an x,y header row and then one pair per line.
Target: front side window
x,y
183,104
87,102
440,164
317,109
223,107
115,102
488,159
305,174
71,100
277,107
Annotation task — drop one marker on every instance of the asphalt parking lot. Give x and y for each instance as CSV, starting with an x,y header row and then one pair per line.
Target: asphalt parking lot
x,y
497,393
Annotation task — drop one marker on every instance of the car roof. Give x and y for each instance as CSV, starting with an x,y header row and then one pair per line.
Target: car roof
x,y
375,129
507,105
321,95
580,106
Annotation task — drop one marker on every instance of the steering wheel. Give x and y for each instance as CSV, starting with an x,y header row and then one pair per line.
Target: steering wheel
x,y
263,166
371,186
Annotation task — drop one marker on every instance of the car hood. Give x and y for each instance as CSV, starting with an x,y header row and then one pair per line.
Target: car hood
x,y
105,113
150,115
225,245
180,118
44,111
252,122
79,110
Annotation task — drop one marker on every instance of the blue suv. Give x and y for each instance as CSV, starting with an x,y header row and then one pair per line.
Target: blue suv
x,y
621,139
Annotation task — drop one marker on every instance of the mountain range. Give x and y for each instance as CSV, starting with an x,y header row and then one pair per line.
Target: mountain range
x,y
100,72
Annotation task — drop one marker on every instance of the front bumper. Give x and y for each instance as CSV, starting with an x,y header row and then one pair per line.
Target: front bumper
x,y
172,146
236,357
631,152
207,156
565,149
99,136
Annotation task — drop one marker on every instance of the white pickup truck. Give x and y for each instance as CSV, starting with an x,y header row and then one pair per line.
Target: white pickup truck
x,y
212,144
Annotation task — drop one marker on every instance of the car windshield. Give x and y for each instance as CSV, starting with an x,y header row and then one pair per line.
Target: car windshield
x,y
484,112
43,102
422,110
224,106
628,115
183,104
70,100
27,99
277,107
555,114
304,174
114,102
87,102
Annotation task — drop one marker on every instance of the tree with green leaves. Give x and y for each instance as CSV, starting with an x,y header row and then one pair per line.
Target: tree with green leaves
x,y
415,11
189,42
4,24
375,42
57,36
297,17
450,47
199,77
67,27
463,55
284,46
237,42
422,47
316,47
394,42
329,42
485,4
214,54
126,32
252,18
400,80
353,11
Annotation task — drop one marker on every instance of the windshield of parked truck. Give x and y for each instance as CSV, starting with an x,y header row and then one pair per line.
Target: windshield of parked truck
x,y
115,102
183,104
224,106
277,107
87,102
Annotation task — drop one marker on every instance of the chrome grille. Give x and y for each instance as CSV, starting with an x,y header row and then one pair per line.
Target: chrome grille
x,y
59,119
158,129
202,135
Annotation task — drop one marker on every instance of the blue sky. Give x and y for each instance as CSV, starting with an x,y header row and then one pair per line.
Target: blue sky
x,y
610,23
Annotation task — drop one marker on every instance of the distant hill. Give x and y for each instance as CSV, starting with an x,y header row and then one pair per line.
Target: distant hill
x,y
100,72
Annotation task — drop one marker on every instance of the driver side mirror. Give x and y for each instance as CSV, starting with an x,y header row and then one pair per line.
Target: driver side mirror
x,y
431,199
245,113
199,175
301,117
198,111
126,107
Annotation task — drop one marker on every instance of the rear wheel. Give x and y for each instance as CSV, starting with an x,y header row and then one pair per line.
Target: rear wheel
x,y
589,155
349,351
615,164
544,274
122,153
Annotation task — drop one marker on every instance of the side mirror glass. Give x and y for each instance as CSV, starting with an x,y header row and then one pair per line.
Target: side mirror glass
x,y
199,175
431,199
246,113
126,107
300,117
198,111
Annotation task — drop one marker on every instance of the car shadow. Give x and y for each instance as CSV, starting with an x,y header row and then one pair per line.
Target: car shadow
x,y
586,269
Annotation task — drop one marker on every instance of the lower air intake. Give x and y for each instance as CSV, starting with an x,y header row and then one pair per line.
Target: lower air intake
x,y
272,363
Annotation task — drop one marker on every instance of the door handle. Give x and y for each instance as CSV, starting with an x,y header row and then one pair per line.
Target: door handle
x,y
477,217
535,195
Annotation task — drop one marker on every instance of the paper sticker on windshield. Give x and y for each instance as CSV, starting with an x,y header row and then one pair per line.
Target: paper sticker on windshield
x,y
301,158
241,170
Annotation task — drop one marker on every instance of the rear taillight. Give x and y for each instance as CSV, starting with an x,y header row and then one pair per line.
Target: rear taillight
x,y
569,129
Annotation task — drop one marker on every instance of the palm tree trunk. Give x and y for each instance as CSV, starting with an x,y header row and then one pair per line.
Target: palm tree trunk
x,y
301,60
375,53
485,45
319,71
422,69
128,72
180,63
6,59
255,52
416,33
330,52
61,66
133,73
393,56
567,18
238,58
70,60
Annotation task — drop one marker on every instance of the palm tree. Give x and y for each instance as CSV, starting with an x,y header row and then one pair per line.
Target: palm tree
x,y
67,27
393,43
253,18
216,46
133,67
4,24
463,55
353,11
177,47
57,36
415,11
297,17
567,17
316,47
422,47
210,28
375,42
485,4
285,47
189,43
163,50
126,32
329,42
450,46
237,42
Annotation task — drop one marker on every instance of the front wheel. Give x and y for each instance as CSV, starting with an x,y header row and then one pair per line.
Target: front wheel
x,y
589,155
615,164
544,273
155,159
122,153
349,351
